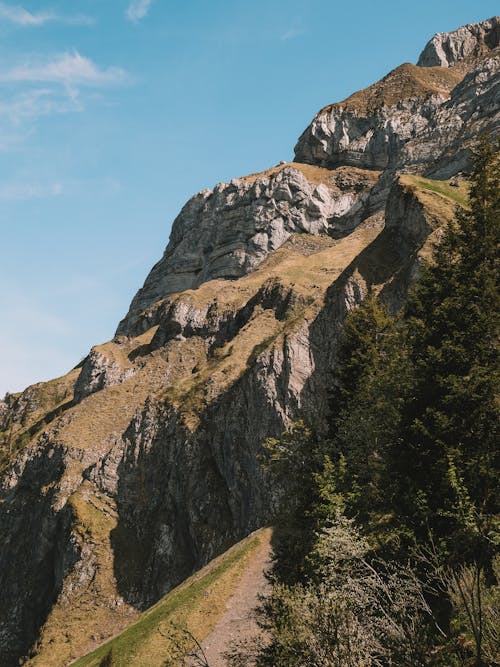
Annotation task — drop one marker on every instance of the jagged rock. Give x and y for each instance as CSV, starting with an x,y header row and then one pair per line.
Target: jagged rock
x,y
446,49
99,371
416,118
370,128
228,231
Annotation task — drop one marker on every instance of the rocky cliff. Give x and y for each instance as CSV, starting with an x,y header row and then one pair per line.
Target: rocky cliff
x,y
125,476
421,118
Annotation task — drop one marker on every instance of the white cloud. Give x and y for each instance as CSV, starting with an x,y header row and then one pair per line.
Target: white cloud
x,y
31,104
23,191
19,112
70,69
291,33
46,86
20,16
138,9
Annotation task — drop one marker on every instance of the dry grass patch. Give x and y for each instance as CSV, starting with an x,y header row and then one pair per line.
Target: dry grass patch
x,y
121,351
320,175
196,605
42,403
458,193
404,82
440,200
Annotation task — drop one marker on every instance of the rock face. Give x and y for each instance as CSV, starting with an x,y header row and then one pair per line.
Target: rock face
x,y
228,231
125,476
99,371
421,118
449,48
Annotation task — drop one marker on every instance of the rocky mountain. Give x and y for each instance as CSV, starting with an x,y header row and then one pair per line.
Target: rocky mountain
x,y
122,478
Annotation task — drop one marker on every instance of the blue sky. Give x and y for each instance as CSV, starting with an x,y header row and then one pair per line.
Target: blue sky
x,y
114,112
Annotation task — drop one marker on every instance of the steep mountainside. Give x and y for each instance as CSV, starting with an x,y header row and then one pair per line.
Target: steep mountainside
x,y
125,476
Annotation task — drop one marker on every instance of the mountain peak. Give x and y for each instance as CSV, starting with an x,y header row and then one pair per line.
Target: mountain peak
x,y
446,49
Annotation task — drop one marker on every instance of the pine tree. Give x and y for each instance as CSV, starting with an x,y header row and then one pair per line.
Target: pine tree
x,y
294,459
371,385
445,468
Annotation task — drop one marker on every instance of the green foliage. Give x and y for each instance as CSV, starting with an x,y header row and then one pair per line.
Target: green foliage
x,y
356,613
372,383
294,459
445,466
412,458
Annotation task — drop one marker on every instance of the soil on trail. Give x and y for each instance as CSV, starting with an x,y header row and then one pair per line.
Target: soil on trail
x,y
238,621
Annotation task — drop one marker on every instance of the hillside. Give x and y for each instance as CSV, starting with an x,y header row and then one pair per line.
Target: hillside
x,y
133,471
197,606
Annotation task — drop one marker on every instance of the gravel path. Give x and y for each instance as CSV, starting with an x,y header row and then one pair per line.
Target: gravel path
x,y
238,620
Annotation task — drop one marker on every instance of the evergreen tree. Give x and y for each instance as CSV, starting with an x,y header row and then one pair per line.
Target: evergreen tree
x,y
294,459
371,383
411,460
444,464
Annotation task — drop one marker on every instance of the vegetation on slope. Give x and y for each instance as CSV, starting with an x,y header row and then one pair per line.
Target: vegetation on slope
x,y
457,191
405,82
164,634
388,545
27,413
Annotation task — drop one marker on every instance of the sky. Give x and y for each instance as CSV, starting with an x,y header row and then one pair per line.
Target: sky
x,y
114,112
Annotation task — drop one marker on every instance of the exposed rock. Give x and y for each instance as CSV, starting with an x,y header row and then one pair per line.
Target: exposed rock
x,y
446,49
228,231
181,490
99,371
417,119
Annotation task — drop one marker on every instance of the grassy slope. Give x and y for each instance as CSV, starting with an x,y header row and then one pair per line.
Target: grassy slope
x,y
43,401
457,193
199,602
405,82
196,604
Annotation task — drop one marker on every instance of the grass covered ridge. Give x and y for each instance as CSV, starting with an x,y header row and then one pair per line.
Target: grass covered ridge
x,y
196,604
458,193
405,82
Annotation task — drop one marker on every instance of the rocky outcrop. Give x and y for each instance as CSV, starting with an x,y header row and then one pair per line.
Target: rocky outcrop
x,y
138,467
228,231
417,118
446,49
145,479
99,371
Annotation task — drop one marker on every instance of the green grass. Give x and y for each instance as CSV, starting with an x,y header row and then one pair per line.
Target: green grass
x,y
195,604
458,194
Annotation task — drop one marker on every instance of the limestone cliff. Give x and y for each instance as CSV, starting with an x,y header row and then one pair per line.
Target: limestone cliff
x,y
421,118
125,476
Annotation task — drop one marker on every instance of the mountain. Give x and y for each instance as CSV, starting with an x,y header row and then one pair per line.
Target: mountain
x,y
130,473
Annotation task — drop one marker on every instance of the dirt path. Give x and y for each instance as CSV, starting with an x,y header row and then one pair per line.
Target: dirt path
x,y
238,621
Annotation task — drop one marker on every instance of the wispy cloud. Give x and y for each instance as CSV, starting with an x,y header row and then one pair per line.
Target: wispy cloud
x,y
138,9
291,33
70,69
42,87
22,17
25,191
25,187
31,104
20,111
